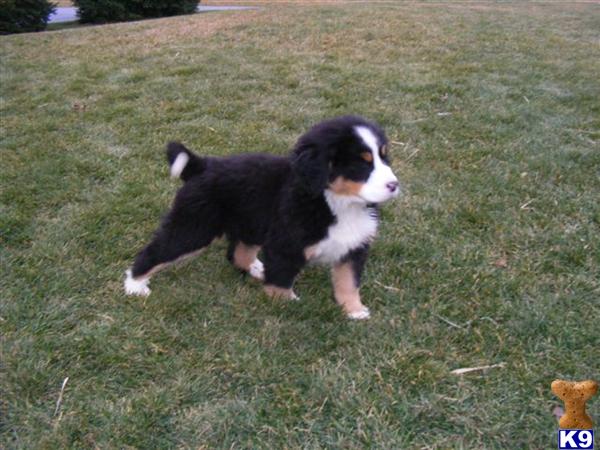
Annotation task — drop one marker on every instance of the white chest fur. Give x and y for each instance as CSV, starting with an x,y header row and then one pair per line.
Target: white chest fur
x,y
355,225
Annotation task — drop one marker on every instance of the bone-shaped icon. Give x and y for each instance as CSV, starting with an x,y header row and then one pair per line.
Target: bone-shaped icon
x,y
574,395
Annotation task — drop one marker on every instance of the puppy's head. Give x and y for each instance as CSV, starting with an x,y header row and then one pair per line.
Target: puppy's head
x,y
347,156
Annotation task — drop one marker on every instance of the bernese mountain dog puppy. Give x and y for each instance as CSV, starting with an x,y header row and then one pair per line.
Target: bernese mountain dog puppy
x,y
317,205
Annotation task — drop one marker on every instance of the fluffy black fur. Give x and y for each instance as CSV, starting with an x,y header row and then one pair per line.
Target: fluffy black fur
x,y
274,202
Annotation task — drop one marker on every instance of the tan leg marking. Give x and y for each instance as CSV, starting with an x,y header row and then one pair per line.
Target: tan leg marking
x,y
244,255
277,292
162,266
346,292
342,186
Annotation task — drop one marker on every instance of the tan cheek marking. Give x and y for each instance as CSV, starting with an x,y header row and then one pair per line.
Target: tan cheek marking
x,y
244,255
342,186
344,288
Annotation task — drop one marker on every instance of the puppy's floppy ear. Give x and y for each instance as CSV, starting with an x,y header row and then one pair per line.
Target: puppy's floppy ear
x,y
310,164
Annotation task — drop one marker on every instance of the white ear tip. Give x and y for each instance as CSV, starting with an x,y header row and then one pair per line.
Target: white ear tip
x,y
179,164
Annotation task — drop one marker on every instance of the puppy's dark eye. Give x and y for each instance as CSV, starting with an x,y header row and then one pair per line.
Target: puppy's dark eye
x,y
367,156
383,150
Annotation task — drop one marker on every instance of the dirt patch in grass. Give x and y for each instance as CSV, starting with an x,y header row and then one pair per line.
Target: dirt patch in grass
x,y
194,27
139,38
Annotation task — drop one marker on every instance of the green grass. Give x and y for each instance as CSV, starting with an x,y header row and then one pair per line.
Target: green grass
x,y
65,26
492,256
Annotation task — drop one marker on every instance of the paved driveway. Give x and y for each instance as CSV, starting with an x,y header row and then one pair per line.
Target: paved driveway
x,y
70,14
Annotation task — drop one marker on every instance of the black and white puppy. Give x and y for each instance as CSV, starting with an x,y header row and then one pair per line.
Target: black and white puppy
x,y
317,205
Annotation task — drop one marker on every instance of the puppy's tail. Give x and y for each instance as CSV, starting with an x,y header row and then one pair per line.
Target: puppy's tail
x,y
183,162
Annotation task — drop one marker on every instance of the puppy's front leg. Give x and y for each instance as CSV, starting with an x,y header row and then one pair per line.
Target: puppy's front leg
x,y
346,276
280,272
280,292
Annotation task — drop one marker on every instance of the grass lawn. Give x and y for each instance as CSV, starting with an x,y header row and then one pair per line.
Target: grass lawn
x,y
491,257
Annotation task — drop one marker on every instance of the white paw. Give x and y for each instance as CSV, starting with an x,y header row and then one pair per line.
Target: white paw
x,y
257,270
361,314
294,297
136,287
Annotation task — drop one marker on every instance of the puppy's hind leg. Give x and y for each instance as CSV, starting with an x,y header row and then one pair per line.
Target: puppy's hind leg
x,y
180,237
245,258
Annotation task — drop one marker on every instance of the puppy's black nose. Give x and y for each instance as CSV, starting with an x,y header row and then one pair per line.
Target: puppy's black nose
x,y
392,186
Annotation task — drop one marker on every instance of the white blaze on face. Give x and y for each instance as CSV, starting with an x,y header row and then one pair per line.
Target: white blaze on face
x,y
376,189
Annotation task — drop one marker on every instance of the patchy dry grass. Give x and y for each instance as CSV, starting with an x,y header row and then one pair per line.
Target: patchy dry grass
x,y
491,257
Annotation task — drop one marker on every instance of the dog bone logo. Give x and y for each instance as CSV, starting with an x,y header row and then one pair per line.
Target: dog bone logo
x,y
574,395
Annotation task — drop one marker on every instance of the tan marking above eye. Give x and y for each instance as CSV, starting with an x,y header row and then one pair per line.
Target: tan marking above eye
x,y
367,156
